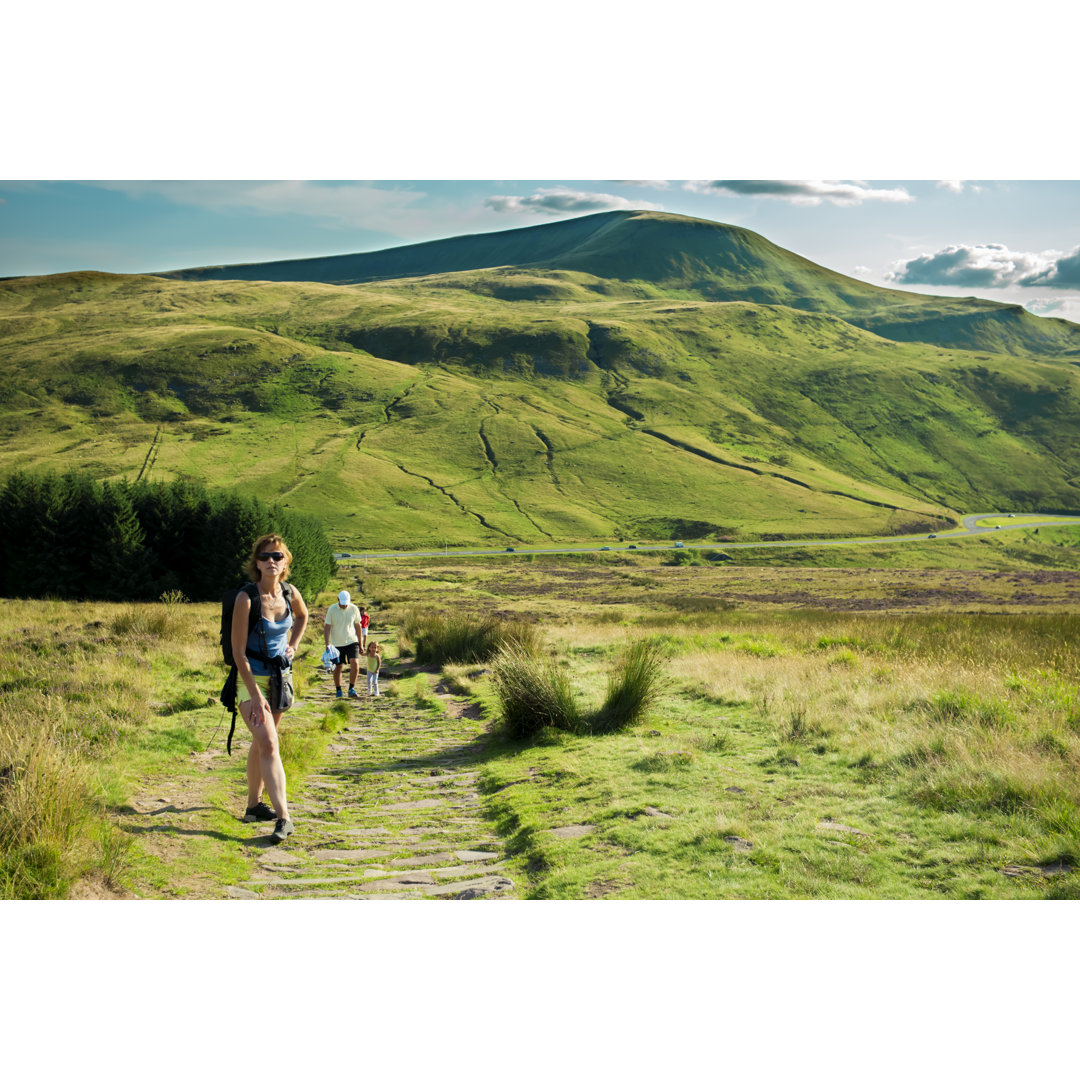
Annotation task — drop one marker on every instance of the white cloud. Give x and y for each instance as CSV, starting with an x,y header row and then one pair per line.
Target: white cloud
x,y
958,187
991,266
557,201
1059,308
803,192
354,205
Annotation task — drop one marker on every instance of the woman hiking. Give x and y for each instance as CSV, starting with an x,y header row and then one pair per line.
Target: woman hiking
x,y
264,688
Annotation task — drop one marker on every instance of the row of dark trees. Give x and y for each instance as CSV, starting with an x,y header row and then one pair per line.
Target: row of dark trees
x,y
73,537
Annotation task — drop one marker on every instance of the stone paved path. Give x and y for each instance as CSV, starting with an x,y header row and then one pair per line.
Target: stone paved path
x,y
393,813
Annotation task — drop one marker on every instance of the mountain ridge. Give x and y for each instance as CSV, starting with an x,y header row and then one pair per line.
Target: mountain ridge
x,y
675,254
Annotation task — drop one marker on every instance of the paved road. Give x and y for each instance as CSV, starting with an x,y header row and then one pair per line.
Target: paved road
x,y
970,527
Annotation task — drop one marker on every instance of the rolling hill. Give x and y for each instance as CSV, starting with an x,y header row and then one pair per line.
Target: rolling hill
x,y
616,376
669,255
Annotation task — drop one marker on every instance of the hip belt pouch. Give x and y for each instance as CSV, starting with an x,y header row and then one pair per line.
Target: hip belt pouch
x,y
281,690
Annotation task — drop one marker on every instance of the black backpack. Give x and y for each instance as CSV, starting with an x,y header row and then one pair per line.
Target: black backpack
x,y
228,602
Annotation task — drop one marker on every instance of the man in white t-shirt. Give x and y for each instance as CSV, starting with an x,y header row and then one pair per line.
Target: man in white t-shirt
x,y
342,630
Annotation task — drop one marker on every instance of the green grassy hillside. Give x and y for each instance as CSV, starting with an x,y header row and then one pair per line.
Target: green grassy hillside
x,y
435,409
651,254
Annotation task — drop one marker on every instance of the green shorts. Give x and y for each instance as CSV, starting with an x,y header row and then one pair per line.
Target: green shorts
x,y
261,681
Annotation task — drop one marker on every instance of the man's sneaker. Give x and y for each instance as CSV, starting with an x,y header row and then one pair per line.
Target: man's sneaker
x,y
339,691
259,812
352,692
283,828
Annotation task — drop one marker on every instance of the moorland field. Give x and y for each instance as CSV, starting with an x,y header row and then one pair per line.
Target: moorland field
x,y
889,721
871,730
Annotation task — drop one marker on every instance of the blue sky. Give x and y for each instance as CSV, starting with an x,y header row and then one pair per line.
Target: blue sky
x,y
1015,241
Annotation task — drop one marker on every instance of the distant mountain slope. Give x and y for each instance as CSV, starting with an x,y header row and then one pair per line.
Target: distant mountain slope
x,y
429,407
677,256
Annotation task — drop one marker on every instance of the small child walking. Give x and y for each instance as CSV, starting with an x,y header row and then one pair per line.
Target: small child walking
x,y
373,656
365,621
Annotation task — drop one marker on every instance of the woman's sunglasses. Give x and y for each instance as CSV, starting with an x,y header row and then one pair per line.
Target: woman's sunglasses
x,y
277,556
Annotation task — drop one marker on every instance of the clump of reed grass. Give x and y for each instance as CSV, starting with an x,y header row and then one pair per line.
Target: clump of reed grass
x,y
463,639
533,693
634,686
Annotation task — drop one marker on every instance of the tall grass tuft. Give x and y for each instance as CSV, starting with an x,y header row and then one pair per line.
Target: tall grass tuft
x,y
463,639
533,693
45,809
634,686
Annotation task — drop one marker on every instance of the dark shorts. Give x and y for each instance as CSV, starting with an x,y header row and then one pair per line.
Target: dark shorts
x,y
348,652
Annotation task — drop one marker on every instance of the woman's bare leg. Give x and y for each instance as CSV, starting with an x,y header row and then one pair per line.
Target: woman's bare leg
x,y
267,761
254,775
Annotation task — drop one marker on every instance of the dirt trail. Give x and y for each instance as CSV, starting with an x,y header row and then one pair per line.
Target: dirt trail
x,y
393,812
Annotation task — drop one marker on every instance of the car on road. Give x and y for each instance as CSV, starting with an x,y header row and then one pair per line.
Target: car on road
x,y
1012,515
510,549
932,536
679,543
605,548
997,526
631,547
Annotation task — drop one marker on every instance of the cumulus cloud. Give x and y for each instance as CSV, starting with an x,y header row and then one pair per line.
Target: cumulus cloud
x,y
991,266
1066,308
803,192
557,201
1066,272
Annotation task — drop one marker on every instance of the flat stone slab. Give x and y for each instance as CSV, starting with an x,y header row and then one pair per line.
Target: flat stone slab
x,y
738,843
652,811
354,855
1018,870
235,892
419,877
277,856
569,832
447,873
424,860
476,856
422,804
835,826
306,882
474,889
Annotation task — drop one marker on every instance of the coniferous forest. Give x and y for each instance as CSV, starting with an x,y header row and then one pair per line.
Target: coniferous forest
x,y
72,537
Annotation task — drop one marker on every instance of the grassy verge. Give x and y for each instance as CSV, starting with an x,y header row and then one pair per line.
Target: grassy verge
x,y
110,721
842,759
839,733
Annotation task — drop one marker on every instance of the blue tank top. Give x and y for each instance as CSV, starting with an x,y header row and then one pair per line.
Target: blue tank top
x,y
277,638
